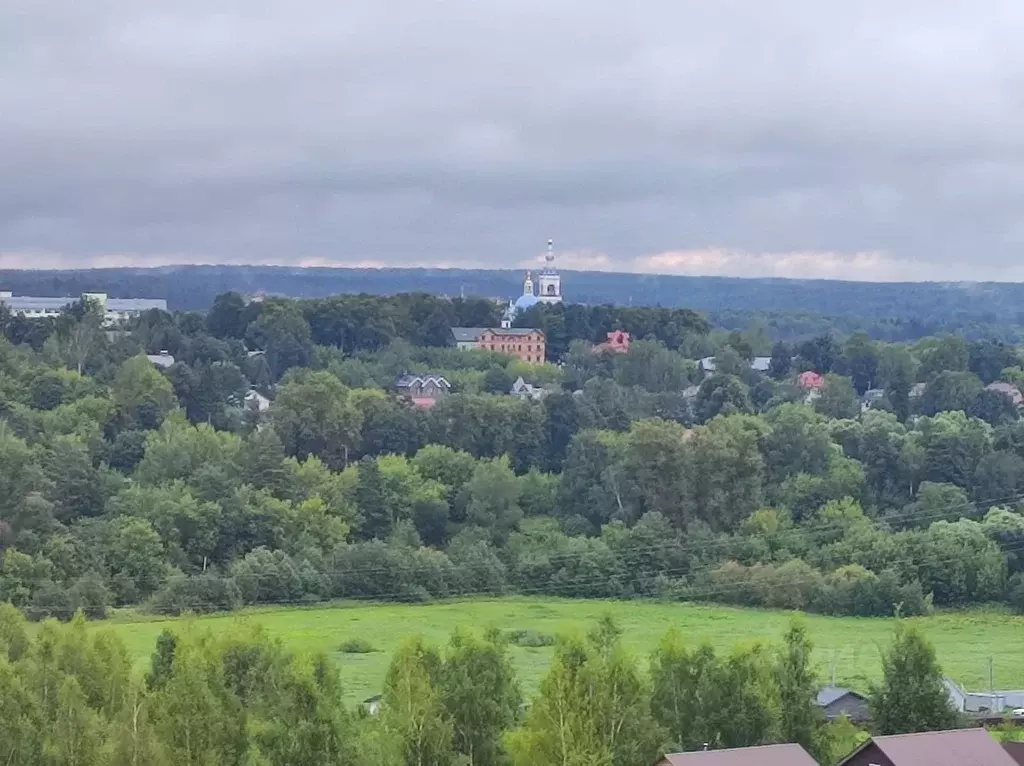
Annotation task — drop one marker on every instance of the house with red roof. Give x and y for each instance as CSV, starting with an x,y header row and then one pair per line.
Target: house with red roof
x,y
810,380
617,342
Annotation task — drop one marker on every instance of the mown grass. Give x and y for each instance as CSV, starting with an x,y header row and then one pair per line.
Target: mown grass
x,y
964,641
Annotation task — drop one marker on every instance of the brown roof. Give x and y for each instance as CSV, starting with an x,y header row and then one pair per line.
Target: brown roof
x,y
1016,750
766,755
960,747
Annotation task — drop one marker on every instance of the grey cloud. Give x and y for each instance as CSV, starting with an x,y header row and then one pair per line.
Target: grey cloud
x,y
469,132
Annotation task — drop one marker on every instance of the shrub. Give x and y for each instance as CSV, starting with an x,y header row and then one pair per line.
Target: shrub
x,y
50,600
855,591
357,646
200,594
1015,592
792,585
265,576
529,638
91,595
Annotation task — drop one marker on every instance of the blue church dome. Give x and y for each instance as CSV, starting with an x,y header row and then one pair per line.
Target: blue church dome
x,y
524,302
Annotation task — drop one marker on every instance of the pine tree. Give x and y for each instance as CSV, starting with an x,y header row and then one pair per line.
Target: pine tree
x,y
912,697
162,660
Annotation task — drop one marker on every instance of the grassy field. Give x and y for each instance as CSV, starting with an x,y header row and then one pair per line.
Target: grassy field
x,y
964,641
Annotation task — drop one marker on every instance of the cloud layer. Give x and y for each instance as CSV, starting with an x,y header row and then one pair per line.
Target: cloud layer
x,y
868,140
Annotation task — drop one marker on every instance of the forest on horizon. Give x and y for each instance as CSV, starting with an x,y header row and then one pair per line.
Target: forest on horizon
x,y
789,309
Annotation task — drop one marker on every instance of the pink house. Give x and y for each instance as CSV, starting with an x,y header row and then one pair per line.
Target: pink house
x,y
810,380
617,342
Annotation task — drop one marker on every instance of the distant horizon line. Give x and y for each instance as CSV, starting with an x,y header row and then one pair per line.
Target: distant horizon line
x,y
511,270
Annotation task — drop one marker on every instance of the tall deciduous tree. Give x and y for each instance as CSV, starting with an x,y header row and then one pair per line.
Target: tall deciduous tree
x,y
481,696
313,416
413,707
593,707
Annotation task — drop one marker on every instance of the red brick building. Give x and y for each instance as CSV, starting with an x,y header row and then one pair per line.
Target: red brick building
x,y
526,344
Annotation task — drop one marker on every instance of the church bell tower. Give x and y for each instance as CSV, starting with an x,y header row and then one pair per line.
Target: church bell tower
x,y
549,283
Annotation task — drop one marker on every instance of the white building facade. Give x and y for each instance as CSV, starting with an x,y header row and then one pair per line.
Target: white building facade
x,y
114,310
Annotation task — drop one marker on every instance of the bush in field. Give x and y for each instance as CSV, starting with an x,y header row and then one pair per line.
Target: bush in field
x,y
356,646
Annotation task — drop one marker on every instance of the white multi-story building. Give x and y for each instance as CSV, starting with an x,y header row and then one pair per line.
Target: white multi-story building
x,y
114,309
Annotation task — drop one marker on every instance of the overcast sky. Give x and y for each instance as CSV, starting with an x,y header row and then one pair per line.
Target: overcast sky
x,y
865,139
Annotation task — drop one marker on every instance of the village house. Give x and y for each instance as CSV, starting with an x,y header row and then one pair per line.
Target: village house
x,y
423,390
759,364
256,401
162,360
1008,389
960,747
835,701
871,397
617,342
525,344
765,755
523,390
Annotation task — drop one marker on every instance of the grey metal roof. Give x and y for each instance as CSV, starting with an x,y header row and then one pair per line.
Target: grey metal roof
x,y
469,334
136,304
28,303
766,755
161,360
830,694
758,363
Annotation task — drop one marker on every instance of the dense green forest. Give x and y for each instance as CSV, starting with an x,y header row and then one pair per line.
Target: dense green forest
x,y
790,309
898,481
69,695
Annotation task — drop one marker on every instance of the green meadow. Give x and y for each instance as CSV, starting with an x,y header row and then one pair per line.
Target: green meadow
x,y
966,642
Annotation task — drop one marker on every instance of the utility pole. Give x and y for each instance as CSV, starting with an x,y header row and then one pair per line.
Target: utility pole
x,y
991,680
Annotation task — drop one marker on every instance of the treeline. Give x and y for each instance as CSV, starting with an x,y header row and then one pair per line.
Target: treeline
x,y
637,474
69,696
934,306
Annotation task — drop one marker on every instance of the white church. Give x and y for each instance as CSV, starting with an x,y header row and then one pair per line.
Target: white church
x,y
547,288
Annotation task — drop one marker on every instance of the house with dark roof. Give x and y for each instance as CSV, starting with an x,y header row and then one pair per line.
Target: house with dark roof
x,y
423,390
960,747
836,701
764,755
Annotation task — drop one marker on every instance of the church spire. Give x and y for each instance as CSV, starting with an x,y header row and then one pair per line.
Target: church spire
x,y
528,284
